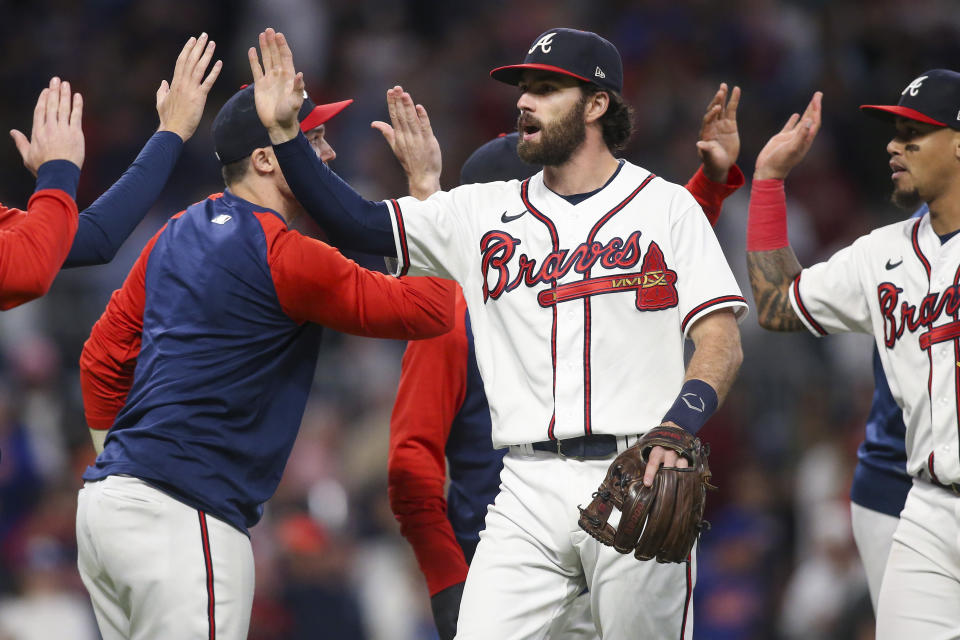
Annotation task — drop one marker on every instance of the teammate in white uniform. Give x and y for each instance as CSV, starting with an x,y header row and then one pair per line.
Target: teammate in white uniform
x,y
582,284
900,283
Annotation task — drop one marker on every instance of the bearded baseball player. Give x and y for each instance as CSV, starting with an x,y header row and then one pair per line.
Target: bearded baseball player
x,y
900,283
441,417
582,284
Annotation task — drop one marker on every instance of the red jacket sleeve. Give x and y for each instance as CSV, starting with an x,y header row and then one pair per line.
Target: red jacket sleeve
x,y
316,283
433,382
710,195
110,353
33,245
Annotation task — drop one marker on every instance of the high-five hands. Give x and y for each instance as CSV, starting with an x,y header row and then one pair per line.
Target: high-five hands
x,y
787,148
180,102
56,133
278,88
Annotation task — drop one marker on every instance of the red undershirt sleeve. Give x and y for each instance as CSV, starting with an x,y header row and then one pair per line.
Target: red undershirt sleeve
x,y
109,356
710,195
316,283
432,387
34,244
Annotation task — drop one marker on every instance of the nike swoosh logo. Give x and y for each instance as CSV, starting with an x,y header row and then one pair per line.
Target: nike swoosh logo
x,y
893,265
505,218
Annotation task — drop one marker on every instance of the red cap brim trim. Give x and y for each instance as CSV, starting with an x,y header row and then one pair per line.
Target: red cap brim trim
x,y
511,73
903,112
321,113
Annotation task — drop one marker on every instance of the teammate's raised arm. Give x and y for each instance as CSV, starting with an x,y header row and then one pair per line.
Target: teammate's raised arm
x,y
109,221
771,262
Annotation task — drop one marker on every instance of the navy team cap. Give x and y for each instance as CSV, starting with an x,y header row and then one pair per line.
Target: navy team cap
x,y
933,97
237,129
581,54
495,161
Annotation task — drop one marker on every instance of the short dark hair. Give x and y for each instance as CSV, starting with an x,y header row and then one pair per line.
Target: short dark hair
x,y
617,122
235,171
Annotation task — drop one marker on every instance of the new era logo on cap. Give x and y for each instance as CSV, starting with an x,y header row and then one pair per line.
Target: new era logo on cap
x,y
580,54
932,97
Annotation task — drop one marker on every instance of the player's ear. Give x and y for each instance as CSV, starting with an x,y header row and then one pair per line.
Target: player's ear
x,y
263,160
597,105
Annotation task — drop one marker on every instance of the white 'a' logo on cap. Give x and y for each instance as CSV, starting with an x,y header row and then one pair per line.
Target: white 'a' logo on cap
x,y
545,43
914,87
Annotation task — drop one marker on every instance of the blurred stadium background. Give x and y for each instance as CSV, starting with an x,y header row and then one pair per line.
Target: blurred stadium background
x,y
779,561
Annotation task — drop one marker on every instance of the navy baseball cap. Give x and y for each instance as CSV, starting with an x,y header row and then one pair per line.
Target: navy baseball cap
x,y
496,160
237,129
933,97
581,54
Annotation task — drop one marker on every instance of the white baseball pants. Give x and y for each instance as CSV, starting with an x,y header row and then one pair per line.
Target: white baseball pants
x,y
156,568
873,533
533,561
920,595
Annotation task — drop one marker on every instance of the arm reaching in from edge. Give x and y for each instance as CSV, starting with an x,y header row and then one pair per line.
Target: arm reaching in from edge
x,y
771,262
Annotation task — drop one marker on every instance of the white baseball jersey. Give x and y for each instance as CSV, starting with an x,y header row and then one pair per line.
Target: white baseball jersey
x,y
579,312
900,284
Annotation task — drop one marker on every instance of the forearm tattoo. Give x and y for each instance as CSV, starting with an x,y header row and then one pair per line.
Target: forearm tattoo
x,y
771,274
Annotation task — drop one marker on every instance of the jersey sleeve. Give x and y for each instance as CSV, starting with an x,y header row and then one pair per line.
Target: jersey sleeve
x,y
433,235
705,282
828,297
109,355
33,245
710,195
432,387
109,221
316,283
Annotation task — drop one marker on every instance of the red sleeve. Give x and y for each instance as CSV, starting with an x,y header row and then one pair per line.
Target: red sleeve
x,y
433,382
316,283
33,245
710,195
110,354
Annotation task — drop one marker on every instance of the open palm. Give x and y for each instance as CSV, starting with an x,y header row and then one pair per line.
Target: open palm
x,y
787,148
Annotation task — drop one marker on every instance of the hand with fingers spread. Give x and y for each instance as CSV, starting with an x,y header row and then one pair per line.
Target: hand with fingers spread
x,y
278,87
56,133
719,144
180,102
412,141
787,148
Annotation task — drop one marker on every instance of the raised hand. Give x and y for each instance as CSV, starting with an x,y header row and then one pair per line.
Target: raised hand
x,y
180,103
412,141
719,144
56,133
278,88
786,149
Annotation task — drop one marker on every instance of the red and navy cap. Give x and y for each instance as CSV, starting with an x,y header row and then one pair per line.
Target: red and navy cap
x,y
933,97
580,54
237,129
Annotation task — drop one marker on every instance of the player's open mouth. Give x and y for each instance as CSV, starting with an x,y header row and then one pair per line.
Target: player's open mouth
x,y
527,126
897,169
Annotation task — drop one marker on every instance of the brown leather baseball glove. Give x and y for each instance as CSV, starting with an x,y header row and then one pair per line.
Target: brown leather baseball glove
x,y
662,521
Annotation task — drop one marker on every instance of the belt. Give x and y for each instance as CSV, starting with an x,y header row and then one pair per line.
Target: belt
x,y
592,446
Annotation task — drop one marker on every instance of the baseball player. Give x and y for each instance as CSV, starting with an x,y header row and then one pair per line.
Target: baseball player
x,y
582,284
195,379
28,263
900,284
441,410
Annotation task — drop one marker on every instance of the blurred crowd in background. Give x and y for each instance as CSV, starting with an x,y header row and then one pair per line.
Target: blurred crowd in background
x,y
779,561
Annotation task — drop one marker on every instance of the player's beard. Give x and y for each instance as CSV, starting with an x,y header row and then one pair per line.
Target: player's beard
x,y
558,141
908,199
